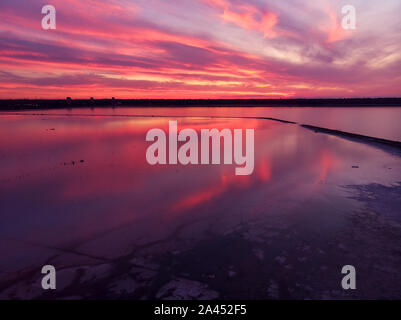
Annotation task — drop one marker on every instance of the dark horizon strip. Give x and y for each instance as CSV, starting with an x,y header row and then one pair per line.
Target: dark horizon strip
x,y
32,104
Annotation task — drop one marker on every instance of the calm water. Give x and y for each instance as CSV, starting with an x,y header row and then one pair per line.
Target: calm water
x,y
77,193
380,122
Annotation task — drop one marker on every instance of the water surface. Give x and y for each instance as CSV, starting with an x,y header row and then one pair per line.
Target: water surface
x,y
380,122
77,193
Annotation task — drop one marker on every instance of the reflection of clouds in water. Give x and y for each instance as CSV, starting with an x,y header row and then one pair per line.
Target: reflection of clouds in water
x,y
115,203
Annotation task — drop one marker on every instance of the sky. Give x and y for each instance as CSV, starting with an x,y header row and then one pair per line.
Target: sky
x,y
186,49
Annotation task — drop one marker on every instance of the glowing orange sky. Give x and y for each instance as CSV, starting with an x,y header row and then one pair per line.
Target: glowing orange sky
x,y
199,49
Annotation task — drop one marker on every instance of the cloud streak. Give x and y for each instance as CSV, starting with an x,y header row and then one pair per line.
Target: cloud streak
x,y
199,49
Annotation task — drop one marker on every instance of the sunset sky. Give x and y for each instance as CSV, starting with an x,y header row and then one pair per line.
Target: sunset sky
x,y
199,49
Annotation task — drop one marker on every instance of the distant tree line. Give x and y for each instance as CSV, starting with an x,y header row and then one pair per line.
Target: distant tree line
x,y
31,104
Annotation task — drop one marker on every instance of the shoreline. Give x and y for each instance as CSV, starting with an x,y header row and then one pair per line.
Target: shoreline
x,y
354,136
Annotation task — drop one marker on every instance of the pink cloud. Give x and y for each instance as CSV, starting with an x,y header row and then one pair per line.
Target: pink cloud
x,y
223,49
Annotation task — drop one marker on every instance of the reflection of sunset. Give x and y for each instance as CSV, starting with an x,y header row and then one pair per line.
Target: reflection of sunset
x,y
263,170
81,184
198,198
327,162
